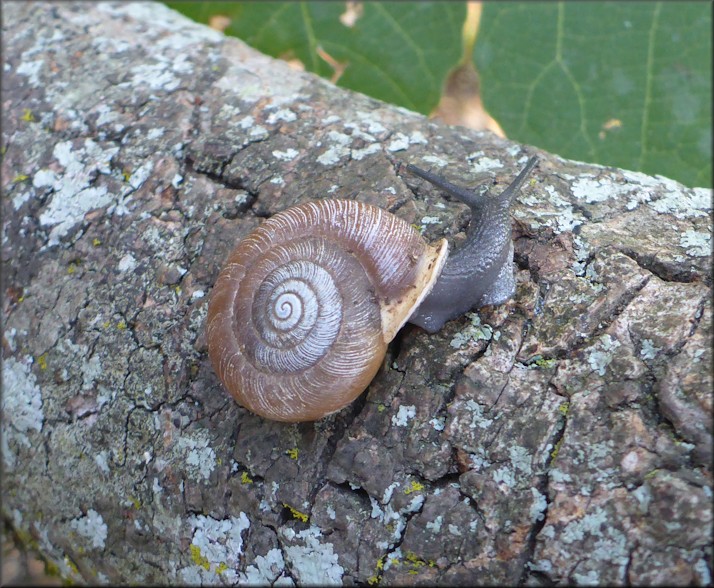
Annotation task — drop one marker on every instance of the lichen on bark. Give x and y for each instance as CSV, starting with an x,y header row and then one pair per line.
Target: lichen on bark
x,y
565,436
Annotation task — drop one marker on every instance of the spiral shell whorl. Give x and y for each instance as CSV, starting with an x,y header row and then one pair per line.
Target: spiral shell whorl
x,y
296,322
296,314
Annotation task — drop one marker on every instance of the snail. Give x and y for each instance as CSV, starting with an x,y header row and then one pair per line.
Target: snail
x,y
301,315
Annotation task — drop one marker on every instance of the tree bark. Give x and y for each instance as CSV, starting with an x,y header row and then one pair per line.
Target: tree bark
x,y
564,437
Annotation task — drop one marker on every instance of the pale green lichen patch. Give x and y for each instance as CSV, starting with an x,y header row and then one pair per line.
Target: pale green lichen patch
x,y
430,220
666,196
21,408
92,527
266,570
138,176
538,506
311,562
181,32
649,350
216,549
107,116
101,460
438,423
399,142
504,476
21,198
31,69
72,194
591,189
562,218
403,416
435,525
90,366
581,250
479,460
339,145
287,155
609,544
701,567
163,75
697,243
392,516
198,455
521,459
281,114
337,149
474,331
359,154
478,415
484,164
590,524
127,263
602,354
360,119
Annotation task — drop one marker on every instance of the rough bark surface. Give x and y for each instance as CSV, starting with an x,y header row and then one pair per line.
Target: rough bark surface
x,y
564,437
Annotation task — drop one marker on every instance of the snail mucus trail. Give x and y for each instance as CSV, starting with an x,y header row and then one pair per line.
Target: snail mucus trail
x,y
301,314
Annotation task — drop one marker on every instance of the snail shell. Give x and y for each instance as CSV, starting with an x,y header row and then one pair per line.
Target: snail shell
x,y
301,314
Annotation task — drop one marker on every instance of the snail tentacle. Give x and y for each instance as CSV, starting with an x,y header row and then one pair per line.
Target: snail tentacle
x,y
480,271
473,199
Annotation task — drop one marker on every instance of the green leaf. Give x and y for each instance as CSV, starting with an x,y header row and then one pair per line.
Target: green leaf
x,y
398,52
621,84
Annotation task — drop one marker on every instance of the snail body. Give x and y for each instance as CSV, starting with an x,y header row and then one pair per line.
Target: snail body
x,y
301,314
480,272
